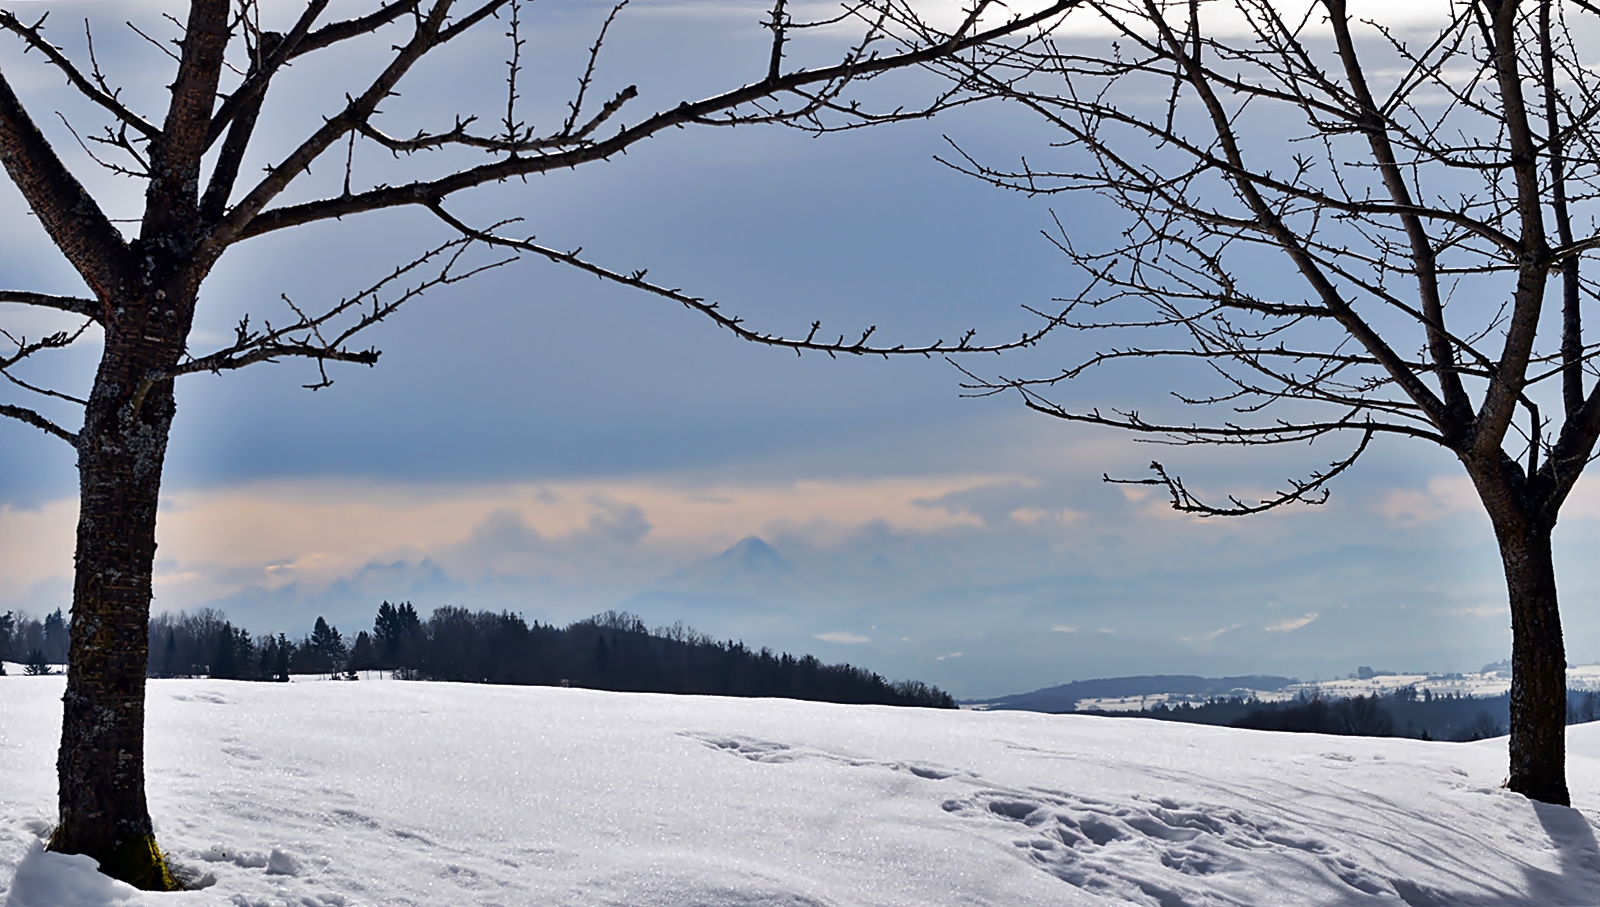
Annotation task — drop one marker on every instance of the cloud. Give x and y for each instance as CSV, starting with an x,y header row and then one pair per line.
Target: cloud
x,y
35,547
608,523
618,523
312,533
1445,496
1290,625
991,502
951,655
1033,515
1228,22
1064,628
504,531
1210,637
848,639
1480,611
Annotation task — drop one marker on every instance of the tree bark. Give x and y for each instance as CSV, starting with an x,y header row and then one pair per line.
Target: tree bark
x,y
1538,663
103,812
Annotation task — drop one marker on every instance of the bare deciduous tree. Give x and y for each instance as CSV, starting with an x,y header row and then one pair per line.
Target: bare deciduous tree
x,y
143,284
1344,229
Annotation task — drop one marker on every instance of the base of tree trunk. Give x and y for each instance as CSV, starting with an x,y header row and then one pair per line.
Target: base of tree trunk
x,y
1546,787
137,861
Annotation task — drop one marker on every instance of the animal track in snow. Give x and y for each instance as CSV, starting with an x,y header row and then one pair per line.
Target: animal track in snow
x,y
768,751
241,858
1207,854
749,748
213,698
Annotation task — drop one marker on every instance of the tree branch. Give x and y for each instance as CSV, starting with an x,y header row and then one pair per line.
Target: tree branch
x,y
36,41
23,414
316,337
171,201
735,324
249,219
69,214
1299,491
334,32
247,97
88,308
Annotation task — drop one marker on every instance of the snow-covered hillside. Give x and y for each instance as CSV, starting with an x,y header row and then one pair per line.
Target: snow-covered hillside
x,y
1145,692
323,793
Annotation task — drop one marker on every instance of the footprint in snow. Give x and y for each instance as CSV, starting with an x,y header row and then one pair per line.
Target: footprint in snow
x,y
216,853
310,900
276,862
750,748
772,752
213,698
1161,852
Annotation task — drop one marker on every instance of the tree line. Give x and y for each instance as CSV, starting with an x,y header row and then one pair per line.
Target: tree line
x,y
610,651
1406,712
34,642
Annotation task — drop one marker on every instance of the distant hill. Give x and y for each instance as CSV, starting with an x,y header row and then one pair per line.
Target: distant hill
x,y
1064,698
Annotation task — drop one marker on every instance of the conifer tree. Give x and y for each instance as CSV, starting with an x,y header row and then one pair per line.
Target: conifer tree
x,y
363,655
224,658
55,638
37,664
280,666
169,654
328,646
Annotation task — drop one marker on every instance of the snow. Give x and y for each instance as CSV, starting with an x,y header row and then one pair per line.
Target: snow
x,y
324,794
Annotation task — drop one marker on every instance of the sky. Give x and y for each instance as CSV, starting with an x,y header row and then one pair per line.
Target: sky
x,y
537,441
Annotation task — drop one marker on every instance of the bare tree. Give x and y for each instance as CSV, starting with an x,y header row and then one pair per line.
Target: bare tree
x,y
143,284
1338,227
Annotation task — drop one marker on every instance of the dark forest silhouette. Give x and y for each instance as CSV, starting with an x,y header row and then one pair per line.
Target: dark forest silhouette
x,y
38,644
610,651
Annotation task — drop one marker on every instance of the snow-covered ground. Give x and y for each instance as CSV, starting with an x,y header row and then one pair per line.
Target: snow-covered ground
x,y
322,793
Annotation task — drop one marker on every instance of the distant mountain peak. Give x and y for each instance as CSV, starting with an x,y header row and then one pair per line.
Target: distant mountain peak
x,y
752,554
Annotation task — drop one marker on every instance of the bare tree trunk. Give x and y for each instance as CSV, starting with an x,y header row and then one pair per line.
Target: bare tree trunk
x,y
101,762
1538,663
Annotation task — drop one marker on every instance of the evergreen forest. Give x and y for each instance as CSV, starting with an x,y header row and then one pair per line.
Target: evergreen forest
x,y
611,651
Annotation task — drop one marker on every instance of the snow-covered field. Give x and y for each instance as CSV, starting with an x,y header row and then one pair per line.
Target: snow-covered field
x,y
323,793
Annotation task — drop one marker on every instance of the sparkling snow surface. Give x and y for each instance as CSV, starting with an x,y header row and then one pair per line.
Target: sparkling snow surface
x,y
323,793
